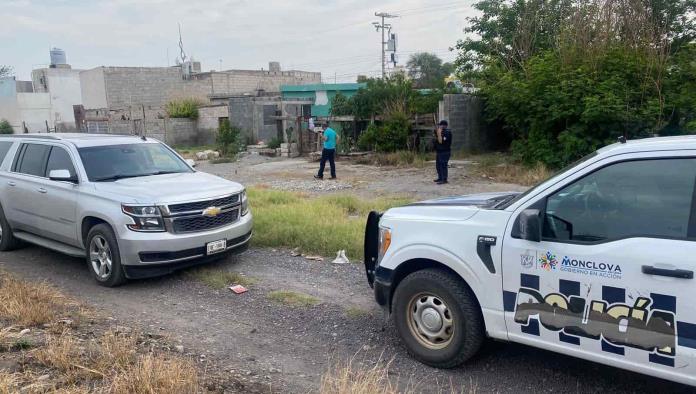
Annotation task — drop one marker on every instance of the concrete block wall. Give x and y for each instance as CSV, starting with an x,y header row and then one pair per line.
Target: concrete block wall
x,y
464,112
153,86
172,131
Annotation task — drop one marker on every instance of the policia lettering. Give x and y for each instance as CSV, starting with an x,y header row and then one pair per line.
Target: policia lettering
x,y
622,325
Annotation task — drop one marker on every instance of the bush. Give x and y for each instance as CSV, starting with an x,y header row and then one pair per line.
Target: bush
x,y
389,137
5,127
185,108
228,139
274,143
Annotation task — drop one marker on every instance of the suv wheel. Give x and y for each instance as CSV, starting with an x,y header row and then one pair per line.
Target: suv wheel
x,y
7,240
437,318
103,257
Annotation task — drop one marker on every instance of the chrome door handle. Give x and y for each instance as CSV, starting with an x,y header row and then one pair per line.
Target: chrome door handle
x,y
11,183
42,190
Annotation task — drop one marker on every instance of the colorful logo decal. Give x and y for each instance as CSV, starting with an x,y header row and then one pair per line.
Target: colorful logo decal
x,y
548,261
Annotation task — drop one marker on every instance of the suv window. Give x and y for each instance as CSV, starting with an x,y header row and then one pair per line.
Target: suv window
x,y
59,159
650,198
33,160
4,148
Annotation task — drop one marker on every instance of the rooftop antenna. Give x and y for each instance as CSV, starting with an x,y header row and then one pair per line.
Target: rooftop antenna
x,y
181,46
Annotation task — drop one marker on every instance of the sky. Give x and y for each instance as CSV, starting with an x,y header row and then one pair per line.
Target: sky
x,y
335,37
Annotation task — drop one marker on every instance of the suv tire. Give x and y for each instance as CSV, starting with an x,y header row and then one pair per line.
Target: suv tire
x,y
438,318
103,256
7,240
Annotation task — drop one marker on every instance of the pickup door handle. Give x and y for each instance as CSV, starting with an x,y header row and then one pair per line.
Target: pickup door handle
x,y
42,190
675,273
11,183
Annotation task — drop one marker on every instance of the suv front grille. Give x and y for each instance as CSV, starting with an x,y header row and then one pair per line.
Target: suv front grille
x,y
221,202
191,224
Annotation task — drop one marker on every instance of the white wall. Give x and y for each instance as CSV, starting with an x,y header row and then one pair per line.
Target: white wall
x,y
64,88
8,101
93,88
35,109
63,85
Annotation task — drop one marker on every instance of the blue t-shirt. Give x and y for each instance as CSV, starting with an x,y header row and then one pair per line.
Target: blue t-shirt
x,y
330,135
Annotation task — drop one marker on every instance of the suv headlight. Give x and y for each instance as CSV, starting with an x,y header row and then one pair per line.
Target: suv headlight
x,y
245,203
385,237
146,218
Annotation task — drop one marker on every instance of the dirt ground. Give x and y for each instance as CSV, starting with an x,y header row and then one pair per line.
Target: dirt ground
x,y
363,180
286,349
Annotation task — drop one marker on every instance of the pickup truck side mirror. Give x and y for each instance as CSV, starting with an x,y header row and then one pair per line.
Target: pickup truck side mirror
x,y
61,176
530,225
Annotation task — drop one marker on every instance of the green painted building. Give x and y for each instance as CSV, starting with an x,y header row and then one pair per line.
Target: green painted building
x,y
319,95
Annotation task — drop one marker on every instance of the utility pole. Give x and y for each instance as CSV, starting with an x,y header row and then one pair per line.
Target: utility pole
x,y
381,26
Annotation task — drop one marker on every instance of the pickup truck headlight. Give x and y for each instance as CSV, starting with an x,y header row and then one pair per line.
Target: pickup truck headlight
x,y
245,203
146,218
384,242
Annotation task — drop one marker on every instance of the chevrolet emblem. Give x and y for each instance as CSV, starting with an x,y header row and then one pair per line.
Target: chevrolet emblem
x,y
211,212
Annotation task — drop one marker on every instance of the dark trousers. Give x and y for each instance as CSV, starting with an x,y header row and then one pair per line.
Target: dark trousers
x,y
441,162
327,154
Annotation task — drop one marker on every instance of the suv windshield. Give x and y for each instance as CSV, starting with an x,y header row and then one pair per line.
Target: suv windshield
x,y
113,162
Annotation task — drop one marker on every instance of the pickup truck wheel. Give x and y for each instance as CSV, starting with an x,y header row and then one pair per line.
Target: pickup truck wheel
x,y
437,318
7,240
103,257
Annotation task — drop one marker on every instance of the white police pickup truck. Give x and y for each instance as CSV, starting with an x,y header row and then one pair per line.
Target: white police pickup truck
x,y
596,262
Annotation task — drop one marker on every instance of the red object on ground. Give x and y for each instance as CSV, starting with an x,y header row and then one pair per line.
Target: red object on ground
x,y
238,289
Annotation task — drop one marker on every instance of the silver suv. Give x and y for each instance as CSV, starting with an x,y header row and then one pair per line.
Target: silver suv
x,y
130,205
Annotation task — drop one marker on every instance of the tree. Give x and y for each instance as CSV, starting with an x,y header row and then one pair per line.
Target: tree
x,y
5,71
567,76
427,70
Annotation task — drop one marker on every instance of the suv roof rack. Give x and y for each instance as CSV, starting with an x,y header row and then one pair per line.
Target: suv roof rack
x,y
37,136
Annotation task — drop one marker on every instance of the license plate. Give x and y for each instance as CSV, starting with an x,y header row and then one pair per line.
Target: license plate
x,y
216,246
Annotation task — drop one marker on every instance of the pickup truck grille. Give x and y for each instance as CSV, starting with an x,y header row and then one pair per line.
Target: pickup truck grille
x,y
221,202
191,224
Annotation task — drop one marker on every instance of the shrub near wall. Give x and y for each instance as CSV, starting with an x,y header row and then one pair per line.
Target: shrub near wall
x,y
184,108
5,127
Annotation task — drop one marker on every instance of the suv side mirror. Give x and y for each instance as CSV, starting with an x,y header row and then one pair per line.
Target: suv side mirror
x,y
530,225
62,176
191,162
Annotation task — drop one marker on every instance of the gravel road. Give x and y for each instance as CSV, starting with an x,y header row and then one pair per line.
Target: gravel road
x,y
288,348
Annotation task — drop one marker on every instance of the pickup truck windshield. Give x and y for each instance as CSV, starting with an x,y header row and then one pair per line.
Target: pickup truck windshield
x,y
113,162
506,203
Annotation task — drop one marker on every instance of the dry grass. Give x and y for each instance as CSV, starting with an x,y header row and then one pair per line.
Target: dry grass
x,y
349,378
29,304
293,298
403,158
500,168
114,361
111,363
8,383
219,278
153,374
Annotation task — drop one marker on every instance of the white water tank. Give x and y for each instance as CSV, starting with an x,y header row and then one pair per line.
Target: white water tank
x,y
58,57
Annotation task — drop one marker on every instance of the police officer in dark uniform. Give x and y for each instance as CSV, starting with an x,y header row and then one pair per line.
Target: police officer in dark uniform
x,y
443,147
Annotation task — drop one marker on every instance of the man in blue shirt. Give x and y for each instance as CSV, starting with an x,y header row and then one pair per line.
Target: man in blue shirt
x,y
329,152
